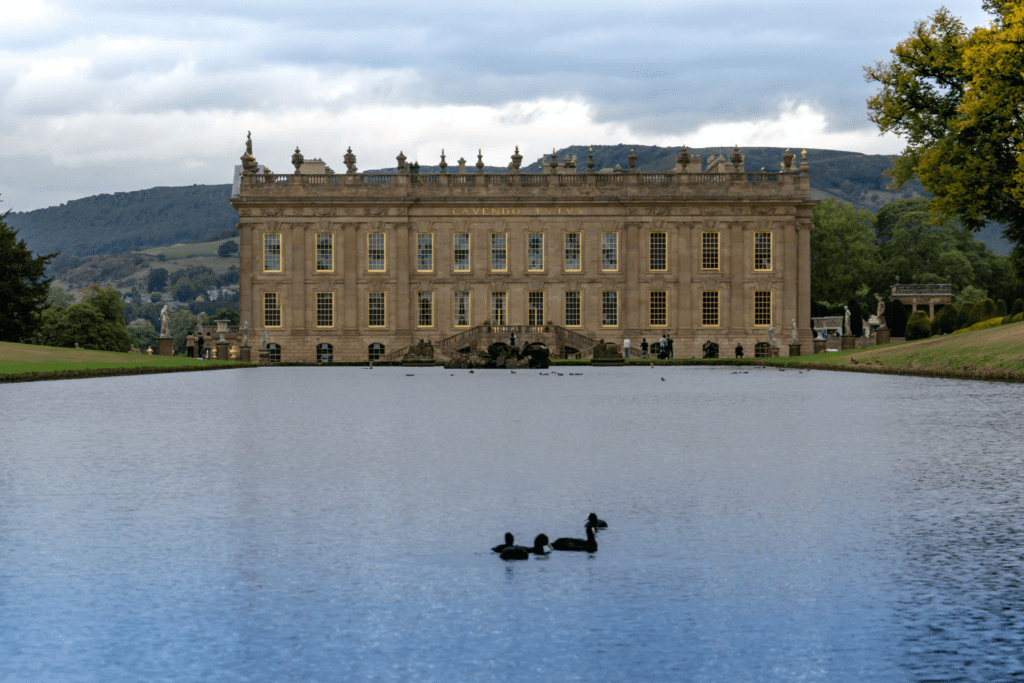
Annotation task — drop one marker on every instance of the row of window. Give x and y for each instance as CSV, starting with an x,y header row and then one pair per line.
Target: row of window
x,y
573,310
376,259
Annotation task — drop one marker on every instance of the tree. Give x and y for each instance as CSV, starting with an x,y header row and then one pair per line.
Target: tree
x,y
182,323
143,333
843,252
96,323
229,248
157,280
23,287
231,315
954,95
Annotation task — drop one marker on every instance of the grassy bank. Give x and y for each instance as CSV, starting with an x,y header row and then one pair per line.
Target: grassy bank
x,y
27,362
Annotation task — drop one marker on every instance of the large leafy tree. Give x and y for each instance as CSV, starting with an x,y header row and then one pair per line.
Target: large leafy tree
x,y
955,96
843,251
96,323
23,287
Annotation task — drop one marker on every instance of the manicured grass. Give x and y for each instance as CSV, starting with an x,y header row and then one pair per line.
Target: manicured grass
x,y
20,362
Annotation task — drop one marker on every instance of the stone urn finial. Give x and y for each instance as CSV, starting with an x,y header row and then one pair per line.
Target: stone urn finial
x,y
554,161
443,165
517,159
805,168
462,164
736,157
249,164
401,162
787,161
632,161
297,160
480,161
590,161
350,161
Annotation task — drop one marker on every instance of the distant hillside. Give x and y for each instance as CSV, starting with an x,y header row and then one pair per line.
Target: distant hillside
x,y
162,216
128,221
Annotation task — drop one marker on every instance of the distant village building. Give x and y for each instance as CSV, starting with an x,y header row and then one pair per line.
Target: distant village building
x,y
355,266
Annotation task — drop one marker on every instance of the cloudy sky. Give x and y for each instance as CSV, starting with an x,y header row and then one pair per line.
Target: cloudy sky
x,y
108,96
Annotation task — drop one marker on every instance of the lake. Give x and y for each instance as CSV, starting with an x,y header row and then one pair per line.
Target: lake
x,y
335,524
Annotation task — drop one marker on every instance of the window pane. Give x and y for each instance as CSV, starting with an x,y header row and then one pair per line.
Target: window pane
x,y
709,312
572,251
609,251
271,310
272,251
658,255
375,251
424,251
376,307
461,255
710,257
425,307
535,252
324,251
499,251
659,309
609,309
461,309
325,309
498,308
536,308
572,309
763,308
762,251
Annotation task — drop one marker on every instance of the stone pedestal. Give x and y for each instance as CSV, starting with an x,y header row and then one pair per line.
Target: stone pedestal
x,y
773,352
819,345
223,350
244,355
849,342
165,346
794,350
882,335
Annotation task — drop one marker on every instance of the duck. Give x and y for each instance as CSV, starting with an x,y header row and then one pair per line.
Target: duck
x,y
509,541
593,521
578,544
518,552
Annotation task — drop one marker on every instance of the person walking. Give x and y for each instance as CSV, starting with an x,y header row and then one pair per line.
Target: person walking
x,y
663,347
625,347
199,345
643,348
190,345
670,349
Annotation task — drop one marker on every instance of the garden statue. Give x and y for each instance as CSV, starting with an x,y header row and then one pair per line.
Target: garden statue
x,y
848,330
771,337
793,333
165,322
880,311
245,334
264,340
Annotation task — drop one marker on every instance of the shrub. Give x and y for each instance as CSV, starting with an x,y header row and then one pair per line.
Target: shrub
x,y
945,320
988,309
975,317
1017,317
1000,309
1018,307
964,314
919,326
896,317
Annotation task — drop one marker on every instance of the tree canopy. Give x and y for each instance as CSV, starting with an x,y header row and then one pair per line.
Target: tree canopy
x,y
23,287
955,96
843,251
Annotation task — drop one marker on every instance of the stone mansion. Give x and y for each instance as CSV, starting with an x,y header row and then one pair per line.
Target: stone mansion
x,y
354,267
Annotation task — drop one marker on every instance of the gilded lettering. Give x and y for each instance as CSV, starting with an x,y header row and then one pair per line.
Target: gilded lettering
x,y
515,212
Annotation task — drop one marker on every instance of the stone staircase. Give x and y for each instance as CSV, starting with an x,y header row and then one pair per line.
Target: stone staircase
x,y
449,346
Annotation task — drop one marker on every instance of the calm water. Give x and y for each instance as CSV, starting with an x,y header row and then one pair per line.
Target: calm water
x,y
308,524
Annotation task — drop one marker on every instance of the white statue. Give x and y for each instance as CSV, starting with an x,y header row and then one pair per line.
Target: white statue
x,y
771,337
849,328
880,311
793,332
245,334
264,340
165,322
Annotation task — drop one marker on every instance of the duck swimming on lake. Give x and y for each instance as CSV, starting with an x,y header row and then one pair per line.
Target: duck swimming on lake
x,y
518,552
578,544
509,541
593,521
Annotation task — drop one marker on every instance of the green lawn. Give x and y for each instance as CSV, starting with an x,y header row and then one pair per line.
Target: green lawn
x,y
18,359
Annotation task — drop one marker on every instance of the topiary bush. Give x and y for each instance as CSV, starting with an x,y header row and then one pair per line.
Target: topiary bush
x,y
1000,309
945,320
975,317
988,309
1018,307
964,315
896,317
919,326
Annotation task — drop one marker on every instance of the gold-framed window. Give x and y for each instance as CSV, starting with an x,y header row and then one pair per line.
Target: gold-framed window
x,y
762,308
499,308
499,252
460,312
709,251
425,309
324,251
376,351
376,259
376,309
272,252
424,252
535,308
659,309
325,309
609,309
762,251
709,308
572,309
460,252
573,252
609,251
271,310
659,251
535,251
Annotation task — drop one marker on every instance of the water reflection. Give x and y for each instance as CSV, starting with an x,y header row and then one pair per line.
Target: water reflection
x,y
336,524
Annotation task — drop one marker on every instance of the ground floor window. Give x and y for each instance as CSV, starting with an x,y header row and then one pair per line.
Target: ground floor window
x,y
376,351
609,309
376,309
761,350
425,306
461,309
498,308
271,310
763,308
659,309
572,309
324,353
325,309
275,353
536,308
709,309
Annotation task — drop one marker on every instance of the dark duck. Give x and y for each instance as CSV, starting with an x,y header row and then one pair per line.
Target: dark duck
x,y
508,542
578,544
518,552
593,521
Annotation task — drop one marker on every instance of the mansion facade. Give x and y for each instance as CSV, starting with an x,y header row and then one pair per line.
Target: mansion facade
x,y
355,267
